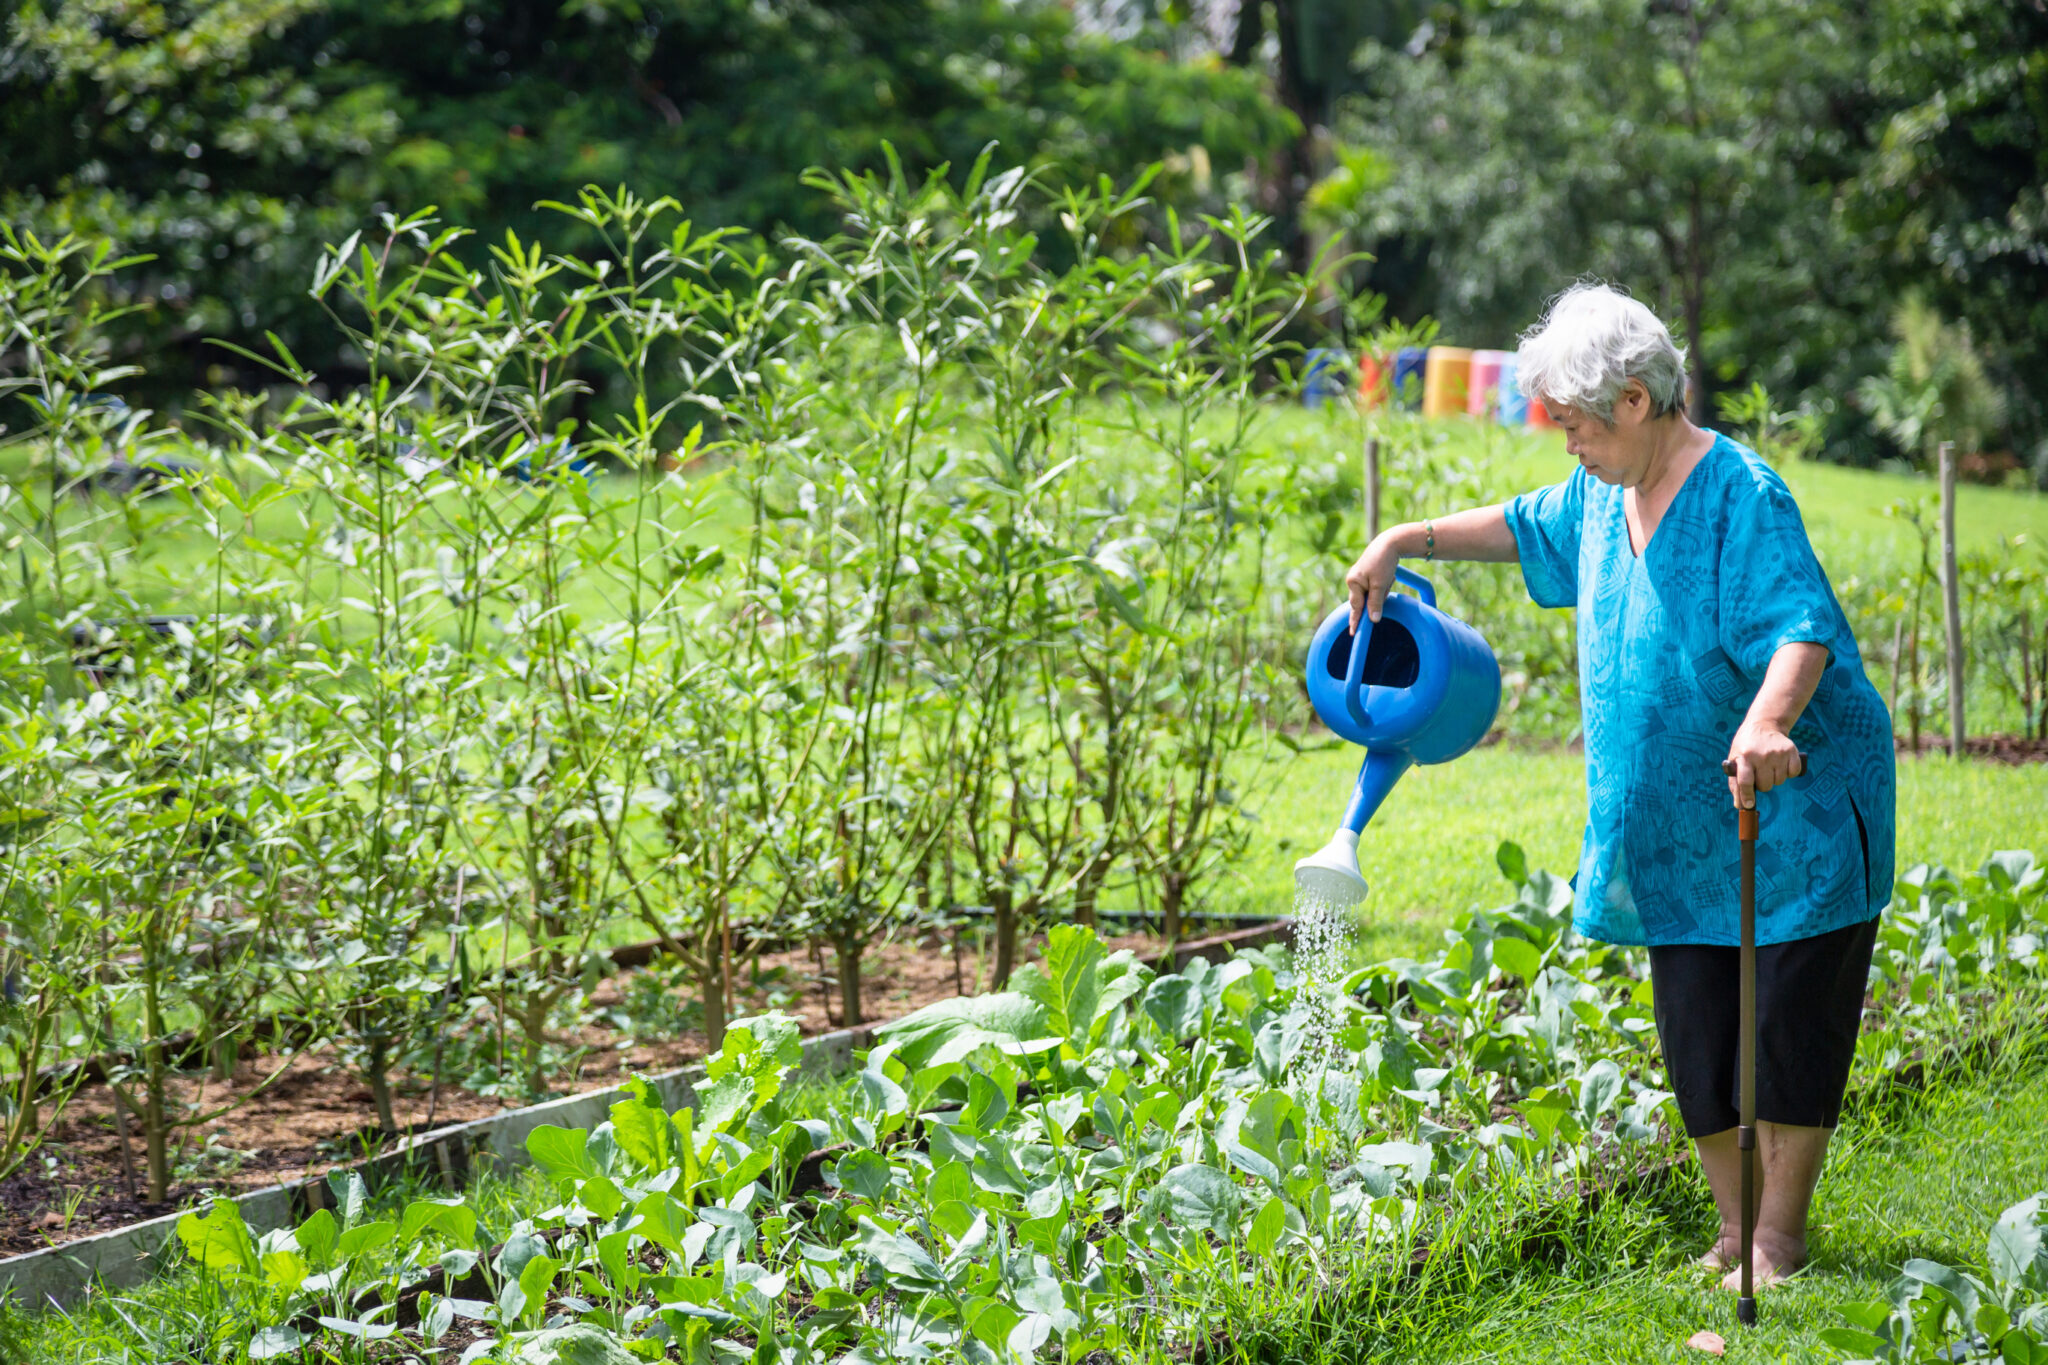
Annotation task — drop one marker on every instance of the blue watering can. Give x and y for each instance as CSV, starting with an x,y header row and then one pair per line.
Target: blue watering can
x,y
1417,687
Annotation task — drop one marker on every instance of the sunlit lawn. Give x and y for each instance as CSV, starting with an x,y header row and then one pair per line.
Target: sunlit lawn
x,y
1928,1185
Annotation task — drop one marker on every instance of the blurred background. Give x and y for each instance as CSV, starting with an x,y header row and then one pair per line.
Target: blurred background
x,y
1841,202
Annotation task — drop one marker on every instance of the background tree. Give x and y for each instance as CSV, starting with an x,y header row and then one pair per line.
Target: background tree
x,y
1686,149
233,137
1952,194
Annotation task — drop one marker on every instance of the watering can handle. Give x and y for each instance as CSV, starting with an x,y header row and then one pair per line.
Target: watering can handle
x,y
1422,586
1354,671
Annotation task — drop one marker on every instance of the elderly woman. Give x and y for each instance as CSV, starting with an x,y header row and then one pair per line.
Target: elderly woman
x,y
1707,633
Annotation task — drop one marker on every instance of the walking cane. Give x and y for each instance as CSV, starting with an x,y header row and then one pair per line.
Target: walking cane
x,y
1745,1052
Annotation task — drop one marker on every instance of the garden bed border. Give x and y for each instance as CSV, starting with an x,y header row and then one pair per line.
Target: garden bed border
x,y
58,1276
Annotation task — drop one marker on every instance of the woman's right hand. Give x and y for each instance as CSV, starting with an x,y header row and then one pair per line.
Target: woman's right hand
x,y
1372,577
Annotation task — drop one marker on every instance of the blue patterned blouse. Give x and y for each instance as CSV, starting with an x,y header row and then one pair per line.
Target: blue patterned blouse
x,y
1672,648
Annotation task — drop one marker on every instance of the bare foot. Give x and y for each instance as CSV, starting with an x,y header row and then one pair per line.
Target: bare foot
x,y
1772,1259
1722,1253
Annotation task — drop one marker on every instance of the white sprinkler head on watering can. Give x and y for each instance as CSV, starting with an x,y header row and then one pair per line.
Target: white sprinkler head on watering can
x,y
1330,874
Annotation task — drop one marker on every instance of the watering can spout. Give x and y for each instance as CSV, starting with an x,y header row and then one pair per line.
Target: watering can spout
x,y
1330,874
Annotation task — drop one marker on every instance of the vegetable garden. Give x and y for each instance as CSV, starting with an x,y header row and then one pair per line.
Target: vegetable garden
x,y
754,618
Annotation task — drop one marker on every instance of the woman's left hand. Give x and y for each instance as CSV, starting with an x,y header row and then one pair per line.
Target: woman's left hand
x,y
1764,756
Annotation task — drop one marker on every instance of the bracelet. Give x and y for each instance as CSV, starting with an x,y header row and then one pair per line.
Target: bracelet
x,y
1429,541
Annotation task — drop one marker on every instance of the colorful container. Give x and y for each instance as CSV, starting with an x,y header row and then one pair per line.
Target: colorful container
x,y
1512,408
1324,380
1372,382
1446,377
1539,417
1482,391
1409,364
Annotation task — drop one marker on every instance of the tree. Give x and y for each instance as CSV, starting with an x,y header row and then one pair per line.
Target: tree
x,y
1952,194
1688,149
233,137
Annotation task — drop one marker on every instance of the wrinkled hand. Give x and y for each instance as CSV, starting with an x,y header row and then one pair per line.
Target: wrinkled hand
x,y
1370,579
1760,758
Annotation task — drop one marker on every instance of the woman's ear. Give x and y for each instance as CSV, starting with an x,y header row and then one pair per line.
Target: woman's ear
x,y
1634,399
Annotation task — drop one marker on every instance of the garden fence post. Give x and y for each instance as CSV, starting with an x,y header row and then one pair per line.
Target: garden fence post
x,y
1372,489
1950,600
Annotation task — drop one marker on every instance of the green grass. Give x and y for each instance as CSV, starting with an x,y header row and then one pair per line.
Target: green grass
x,y
1930,1185
1429,853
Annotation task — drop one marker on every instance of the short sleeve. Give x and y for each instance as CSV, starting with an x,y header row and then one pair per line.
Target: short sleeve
x,y
1547,525
1773,590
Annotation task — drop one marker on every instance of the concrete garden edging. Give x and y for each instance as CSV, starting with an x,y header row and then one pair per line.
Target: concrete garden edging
x,y
58,1276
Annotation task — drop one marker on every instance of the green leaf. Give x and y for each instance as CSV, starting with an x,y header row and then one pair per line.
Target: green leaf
x,y
950,1181
1511,861
988,1104
663,1221
16,821
1174,1003
864,1175
351,1196
535,1279
1198,1197
284,1269
1598,1089
2018,1249
601,1197
1852,1341
949,1030
1067,984
1955,1285
728,1101
579,1343
275,1342
451,1217
996,1170
317,1237
1266,1228
953,1217
900,1258
560,1152
642,1128
1517,957
991,1321
365,1237
2011,869
220,1240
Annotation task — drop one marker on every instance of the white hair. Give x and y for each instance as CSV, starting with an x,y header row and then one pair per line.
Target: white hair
x,y
1592,340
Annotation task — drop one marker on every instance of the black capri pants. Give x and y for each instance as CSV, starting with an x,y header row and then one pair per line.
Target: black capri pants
x,y
1809,1006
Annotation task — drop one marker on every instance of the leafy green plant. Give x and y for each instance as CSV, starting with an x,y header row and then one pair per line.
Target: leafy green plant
x,y
1935,1312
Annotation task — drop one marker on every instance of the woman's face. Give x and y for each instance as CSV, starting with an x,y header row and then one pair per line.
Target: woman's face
x,y
1616,452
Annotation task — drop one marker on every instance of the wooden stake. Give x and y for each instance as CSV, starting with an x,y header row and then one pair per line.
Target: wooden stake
x,y
1898,661
1372,489
1951,599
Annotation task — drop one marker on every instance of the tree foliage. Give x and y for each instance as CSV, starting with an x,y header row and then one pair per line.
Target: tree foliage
x,y
1953,195
1686,152
1771,178
232,138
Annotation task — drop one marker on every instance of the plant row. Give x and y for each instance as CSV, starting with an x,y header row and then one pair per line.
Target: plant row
x,y
1104,1159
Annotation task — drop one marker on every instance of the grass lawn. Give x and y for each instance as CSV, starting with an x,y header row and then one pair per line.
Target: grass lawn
x,y
1429,853
1929,1185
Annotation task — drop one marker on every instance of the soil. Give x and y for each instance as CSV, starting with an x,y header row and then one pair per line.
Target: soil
x,y
2010,749
315,1116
